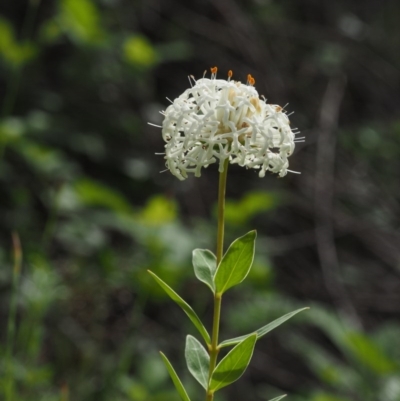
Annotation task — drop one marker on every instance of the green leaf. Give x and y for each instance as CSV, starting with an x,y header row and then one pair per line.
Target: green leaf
x,y
186,308
81,19
178,384
234,364
139,51
263,330
330,371
369,354
278,398
205,264
197,360
93,193
328,397
252,204
236,263
158,211
13,52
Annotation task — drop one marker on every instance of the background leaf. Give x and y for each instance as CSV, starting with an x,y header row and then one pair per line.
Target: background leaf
x,y
139,51
252,204
81,20
369,354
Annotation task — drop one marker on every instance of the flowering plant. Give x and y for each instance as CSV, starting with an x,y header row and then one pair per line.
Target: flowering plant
x,y
222,121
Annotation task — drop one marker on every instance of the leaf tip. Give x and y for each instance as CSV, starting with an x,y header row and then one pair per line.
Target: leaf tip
x,y
253,233
254,335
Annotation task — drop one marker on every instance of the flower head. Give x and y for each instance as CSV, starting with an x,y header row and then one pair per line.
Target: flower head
x,y
218,119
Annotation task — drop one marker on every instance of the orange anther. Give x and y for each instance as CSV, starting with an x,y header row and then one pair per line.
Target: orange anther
x,y
214,70
230,73
250,80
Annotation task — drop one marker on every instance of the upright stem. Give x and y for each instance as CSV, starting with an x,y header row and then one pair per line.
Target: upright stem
x,y
218,297
9,387
221,211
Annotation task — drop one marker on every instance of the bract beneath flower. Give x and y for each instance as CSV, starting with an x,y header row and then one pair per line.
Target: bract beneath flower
x,y
217,119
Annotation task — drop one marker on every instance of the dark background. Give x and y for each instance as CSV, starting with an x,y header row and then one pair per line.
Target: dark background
x,y
81,185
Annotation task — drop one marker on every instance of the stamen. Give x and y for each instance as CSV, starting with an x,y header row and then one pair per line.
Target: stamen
x,y
155,125
192,78
230,73
250,80
214,72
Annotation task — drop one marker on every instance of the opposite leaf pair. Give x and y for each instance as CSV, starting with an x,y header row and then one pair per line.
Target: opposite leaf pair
x,y
232,270
231,367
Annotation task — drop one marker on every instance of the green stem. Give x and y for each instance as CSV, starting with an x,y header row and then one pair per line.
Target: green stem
x,y
9,388
214,350
221,211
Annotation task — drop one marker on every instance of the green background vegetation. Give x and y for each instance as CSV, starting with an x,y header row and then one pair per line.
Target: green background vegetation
x,y
81,185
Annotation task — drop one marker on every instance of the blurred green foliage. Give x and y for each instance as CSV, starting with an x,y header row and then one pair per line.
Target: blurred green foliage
x,y
11,50
79,182
240,212
139,51
81,20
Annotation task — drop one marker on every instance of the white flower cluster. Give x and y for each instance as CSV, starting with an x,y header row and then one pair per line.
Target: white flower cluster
x,y
218,119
